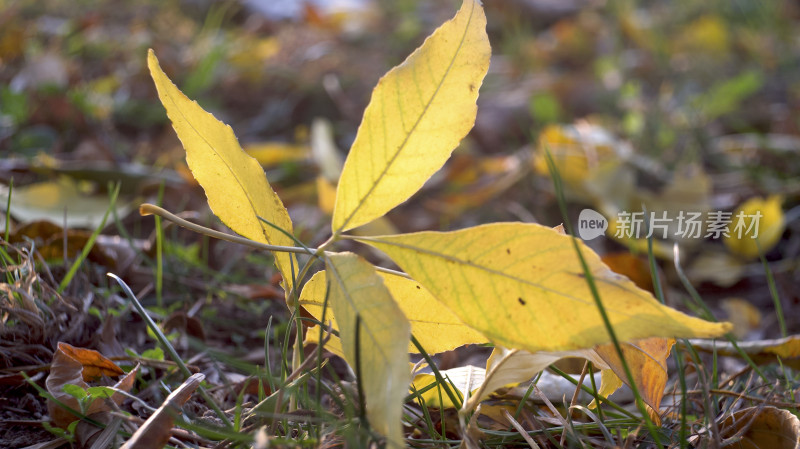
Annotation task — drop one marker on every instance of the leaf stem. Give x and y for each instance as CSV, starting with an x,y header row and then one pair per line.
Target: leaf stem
x,y
151,209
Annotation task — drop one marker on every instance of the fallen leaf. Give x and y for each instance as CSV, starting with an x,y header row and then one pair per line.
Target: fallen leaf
x,y
744,316
512,366
418,113
237,188
761,351
466,380
762,427
756,226
578,152
156,431
49,201
77,366
274,153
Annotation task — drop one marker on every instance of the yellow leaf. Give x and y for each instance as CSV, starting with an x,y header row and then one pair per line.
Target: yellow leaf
x,y
647,360
375,336
466,379
433,324
745,316
757,223
577,151
418,113
326,195
235,184
785,351
274,153
53,199
512,366
522,286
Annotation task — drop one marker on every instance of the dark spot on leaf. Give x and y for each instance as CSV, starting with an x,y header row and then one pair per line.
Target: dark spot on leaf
x,y
471,87
521,301
418,288
508,251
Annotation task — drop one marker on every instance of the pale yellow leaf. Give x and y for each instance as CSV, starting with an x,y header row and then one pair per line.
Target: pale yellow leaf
x,y
375,336
434,325
417,115
235,184
274,153
523,286
785,351
756,226
609,383
465,379
57,201
512,366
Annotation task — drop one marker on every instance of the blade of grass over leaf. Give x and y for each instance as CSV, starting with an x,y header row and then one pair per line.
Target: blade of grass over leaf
x,y
235,184
708,314
365,309
603,307
418,113
522,286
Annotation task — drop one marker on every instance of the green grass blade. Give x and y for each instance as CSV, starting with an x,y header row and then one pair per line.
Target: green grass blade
x,y
89,244
162,339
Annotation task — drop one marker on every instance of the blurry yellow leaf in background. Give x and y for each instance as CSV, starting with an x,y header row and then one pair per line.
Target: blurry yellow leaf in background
x,y
708,35
326,195
745,317
577,152
52,200
274,153
761,223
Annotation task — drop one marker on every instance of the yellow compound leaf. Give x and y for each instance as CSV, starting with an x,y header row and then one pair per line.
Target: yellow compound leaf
x,y
375,336
436,328
757,223
522,286
235,184
417,115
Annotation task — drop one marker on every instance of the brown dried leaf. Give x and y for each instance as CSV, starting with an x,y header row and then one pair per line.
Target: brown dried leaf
x,y
75,366
762,428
